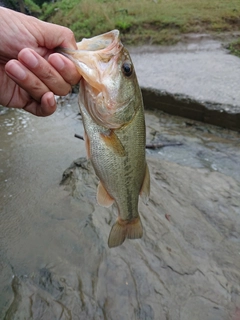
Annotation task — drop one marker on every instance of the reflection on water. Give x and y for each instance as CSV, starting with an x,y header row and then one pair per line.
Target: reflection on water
x,y
34,152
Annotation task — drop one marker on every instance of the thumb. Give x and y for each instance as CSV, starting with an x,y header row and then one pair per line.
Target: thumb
x,y
53,35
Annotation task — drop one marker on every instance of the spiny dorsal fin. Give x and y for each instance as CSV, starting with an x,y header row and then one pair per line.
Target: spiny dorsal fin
x,y
112,141
125,229
103,197
145,189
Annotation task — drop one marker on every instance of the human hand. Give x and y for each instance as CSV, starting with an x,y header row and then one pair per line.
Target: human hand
x,y
30,72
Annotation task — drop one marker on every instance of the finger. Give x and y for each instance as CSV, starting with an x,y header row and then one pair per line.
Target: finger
x,y
44,71
54,35
45,108
65,67
26,79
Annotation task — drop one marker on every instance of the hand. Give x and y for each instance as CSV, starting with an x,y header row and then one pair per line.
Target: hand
x,y
30,72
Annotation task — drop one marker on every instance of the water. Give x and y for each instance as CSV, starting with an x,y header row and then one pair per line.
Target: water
x,y
202,146
34,152
37,218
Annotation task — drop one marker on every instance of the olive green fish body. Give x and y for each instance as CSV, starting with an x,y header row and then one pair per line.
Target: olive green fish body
x,y
122,175
113,116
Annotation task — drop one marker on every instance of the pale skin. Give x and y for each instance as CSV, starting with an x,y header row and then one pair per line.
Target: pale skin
x,y
30,72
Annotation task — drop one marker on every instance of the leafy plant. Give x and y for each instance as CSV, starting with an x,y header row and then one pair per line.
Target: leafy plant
x,y
234,47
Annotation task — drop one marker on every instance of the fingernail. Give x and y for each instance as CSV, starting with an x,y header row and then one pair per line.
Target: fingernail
x,y
16,71
29,59
57,62
51,101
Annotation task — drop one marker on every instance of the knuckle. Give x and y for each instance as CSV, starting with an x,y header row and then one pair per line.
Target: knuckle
x,y
69,34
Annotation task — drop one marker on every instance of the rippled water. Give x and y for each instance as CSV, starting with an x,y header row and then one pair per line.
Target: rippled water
x,y
34,152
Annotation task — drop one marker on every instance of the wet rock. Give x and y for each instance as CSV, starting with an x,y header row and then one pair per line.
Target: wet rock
x,y
223,115
196,79
31,302
185,267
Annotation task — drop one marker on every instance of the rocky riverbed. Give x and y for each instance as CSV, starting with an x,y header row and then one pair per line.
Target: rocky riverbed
x,y
55,262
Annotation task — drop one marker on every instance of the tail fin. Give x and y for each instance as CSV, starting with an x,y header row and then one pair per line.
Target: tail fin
x,y
125,229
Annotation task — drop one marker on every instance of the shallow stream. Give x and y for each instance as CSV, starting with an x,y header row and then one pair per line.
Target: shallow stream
x,y
197,145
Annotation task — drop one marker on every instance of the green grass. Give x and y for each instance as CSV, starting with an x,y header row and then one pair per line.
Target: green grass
x,y
234,47
145,21
34,8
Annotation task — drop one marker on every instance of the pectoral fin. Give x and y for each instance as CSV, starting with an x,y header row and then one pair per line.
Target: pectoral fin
x,y
103,197
112,141
145,190
125,229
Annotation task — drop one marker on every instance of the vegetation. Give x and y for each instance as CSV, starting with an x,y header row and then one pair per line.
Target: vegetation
x,y
140,21
144,21
24,6
234,47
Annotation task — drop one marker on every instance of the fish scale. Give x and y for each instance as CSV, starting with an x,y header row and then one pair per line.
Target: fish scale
x,y
122,176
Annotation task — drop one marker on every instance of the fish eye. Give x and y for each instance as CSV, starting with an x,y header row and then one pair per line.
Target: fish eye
x,y
127,68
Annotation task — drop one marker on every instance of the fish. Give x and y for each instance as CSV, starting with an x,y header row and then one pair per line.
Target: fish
x,y
112,110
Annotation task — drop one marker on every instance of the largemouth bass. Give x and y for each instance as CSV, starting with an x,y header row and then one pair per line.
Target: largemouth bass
x,y
111,105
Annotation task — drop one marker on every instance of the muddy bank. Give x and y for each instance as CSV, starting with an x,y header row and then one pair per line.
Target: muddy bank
x,y
185,267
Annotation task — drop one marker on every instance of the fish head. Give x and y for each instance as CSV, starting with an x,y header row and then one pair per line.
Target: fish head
x,y
109,87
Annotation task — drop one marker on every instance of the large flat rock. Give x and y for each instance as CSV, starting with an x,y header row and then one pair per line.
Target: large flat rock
x,y
186,266
197,78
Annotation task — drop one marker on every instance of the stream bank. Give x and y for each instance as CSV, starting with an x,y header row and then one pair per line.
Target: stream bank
x,y
196,78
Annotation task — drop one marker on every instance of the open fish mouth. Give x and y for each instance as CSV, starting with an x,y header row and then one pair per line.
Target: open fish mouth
x,y
96,57
97,61
100,61
106,41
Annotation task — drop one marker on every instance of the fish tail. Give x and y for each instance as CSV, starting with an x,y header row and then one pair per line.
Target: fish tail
x,y
123,229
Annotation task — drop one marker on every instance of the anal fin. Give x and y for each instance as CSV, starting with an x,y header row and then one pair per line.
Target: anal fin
x,y
103,197
125,229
